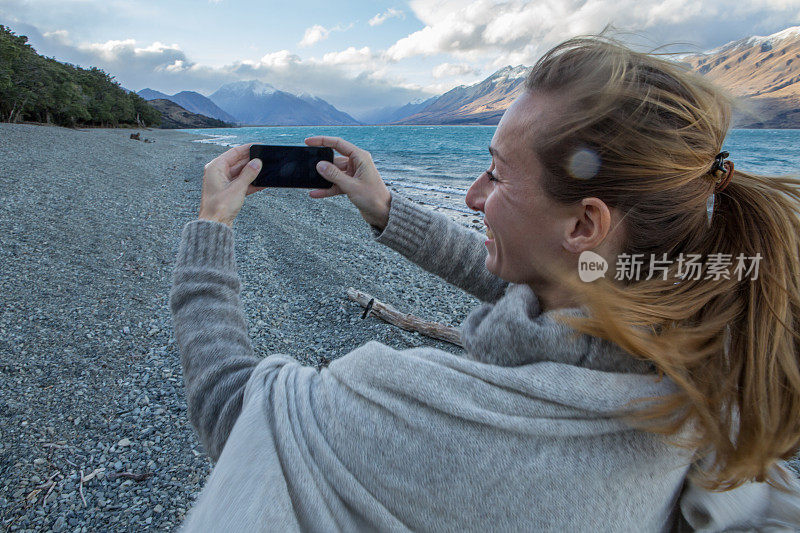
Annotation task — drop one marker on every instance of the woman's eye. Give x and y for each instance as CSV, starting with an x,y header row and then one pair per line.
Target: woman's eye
x,y
491,175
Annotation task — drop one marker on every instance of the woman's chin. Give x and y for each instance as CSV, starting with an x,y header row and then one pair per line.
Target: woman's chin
x,y
490,266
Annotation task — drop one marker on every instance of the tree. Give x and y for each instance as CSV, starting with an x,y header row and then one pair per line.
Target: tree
x,y
33,87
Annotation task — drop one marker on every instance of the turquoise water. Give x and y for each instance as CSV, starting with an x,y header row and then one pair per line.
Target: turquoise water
x,y
436,164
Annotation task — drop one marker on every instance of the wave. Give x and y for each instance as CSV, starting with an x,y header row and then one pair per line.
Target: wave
x,y
425,187
222,140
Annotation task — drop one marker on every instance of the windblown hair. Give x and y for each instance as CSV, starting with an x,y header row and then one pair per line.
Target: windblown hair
x,y
656,129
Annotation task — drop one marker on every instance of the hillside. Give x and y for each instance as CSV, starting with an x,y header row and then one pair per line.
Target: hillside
x,y
765,71
191,101
174,116
482,103
41,89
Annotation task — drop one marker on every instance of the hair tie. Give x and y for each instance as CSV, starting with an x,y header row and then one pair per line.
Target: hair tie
x,y
722,166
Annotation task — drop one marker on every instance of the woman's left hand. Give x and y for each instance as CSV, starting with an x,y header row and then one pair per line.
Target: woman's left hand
x,y
226,181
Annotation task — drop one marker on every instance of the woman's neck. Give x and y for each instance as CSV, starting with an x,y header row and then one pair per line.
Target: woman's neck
x,y
553,297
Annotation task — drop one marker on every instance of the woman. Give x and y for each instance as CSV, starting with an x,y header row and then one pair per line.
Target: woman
x,y
577,406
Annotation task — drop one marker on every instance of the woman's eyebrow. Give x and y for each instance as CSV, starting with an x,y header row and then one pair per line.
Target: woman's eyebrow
x,y
493,151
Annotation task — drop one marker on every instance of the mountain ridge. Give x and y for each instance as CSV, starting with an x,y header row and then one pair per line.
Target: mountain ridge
x,y
481,103
763,72
192,102
174,116
257,103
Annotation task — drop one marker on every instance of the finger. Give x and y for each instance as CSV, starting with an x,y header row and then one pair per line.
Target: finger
x,y
337,143
225,164
251,189
332,174
232,156
325,193
248,174
237,168
341,162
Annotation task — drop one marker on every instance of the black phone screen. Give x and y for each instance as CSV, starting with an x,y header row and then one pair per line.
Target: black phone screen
x,y
291,166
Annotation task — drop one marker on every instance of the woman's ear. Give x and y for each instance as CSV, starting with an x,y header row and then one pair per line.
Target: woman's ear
x,y
589,226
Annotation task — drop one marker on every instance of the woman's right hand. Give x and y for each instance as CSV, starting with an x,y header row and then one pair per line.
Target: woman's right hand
x,y
356,176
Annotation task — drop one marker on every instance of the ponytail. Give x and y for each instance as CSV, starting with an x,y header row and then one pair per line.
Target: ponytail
x,y
728,338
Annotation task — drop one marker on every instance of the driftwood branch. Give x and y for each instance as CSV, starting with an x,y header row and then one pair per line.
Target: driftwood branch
x,y
408,322
130,475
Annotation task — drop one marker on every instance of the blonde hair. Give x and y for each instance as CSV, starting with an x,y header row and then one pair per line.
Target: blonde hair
x,y
655,129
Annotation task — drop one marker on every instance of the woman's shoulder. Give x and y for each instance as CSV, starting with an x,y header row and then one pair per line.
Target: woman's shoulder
x,y
425,371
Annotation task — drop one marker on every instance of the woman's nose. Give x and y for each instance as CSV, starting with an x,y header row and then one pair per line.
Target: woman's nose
x,y
475,195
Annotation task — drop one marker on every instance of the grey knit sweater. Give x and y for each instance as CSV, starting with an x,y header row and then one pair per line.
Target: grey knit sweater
x,y
523,433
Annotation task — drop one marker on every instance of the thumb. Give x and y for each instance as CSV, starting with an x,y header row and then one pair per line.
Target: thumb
x,y
249,172
331,173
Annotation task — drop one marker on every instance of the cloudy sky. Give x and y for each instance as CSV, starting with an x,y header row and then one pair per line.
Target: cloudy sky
x,y
358,55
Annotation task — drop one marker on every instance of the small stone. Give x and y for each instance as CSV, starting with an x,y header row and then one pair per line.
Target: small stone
x,y
60,524
158,508
39,461
124,442
126,330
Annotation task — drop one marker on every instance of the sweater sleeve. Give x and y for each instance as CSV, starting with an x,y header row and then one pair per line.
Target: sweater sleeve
x,y
210,331
441,246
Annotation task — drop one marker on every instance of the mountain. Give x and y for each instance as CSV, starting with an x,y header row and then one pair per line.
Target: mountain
x,y
481,103
390,114
190,101
174,116
151,94
256,103
765,71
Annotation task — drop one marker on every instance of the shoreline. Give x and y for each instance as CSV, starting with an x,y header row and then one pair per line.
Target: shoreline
x,y
89,231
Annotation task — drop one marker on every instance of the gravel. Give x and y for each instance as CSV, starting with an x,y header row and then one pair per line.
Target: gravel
x,y
90,378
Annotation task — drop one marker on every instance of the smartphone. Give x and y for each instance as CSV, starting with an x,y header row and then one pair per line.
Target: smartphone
x,y
291,166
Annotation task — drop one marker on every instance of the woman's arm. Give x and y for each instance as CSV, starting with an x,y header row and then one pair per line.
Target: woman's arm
x,y
210,331
431,240
441,246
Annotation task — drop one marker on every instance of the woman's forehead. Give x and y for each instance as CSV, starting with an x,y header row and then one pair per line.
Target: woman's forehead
x,y
523,123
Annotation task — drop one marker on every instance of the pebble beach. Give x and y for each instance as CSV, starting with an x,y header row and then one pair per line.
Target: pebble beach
x,y
94,434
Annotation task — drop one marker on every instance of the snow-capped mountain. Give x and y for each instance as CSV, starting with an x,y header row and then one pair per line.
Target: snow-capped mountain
x,y
765,71
481,103
256,103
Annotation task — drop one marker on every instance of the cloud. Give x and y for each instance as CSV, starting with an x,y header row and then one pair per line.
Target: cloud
x,y
361,57
280,60
380,18
314,34
317,33
451,70
353,79
519,31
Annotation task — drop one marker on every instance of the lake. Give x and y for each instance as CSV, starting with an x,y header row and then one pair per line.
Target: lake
x,y
436,164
